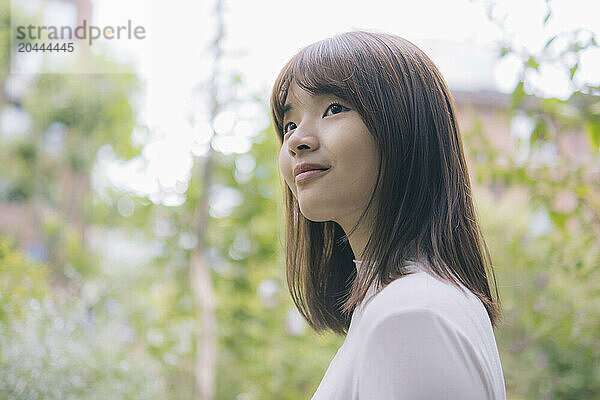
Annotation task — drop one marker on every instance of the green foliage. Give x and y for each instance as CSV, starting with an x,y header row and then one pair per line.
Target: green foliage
x,y
542,224
21,281
592,129
94,108
4,39
52,348
81,337
549,288
47,168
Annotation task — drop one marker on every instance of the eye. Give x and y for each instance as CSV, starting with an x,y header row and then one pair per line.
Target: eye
x,y
335,108
289,126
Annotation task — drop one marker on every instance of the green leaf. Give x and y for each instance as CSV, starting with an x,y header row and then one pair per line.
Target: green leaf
x,y
518,95
540,132
582,191
532,63
547,17
549,42
573,69
559,219
592,129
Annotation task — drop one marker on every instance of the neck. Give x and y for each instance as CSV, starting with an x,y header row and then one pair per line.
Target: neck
x,y
357,239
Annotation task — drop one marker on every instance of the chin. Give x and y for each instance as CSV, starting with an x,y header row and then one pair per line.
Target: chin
x,y
316,219
314,214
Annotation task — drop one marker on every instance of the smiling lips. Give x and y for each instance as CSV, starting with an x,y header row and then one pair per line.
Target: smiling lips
x,y
301,177
305,171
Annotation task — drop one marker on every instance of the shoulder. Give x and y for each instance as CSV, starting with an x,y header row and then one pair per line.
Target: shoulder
x,y
421,291
416,329
421,296
422,337
418,353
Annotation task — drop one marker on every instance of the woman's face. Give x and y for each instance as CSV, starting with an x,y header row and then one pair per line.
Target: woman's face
x,y
324,130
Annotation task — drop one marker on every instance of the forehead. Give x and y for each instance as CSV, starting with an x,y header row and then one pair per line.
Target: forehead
x,y
301,98
297,96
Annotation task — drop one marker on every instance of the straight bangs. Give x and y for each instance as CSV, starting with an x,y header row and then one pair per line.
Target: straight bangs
x,y
321,68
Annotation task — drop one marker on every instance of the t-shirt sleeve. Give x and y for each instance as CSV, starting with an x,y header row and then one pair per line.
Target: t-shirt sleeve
x,y
418,355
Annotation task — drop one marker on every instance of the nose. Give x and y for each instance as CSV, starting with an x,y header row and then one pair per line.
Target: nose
x,y
302,141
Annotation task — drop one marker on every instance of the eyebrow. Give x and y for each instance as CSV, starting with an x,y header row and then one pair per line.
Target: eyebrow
x,y
286,108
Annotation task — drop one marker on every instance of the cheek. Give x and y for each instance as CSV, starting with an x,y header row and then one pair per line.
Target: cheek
x,y
361,158
285,168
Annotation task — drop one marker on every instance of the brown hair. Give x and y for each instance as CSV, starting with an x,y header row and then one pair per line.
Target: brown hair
x,y
426,212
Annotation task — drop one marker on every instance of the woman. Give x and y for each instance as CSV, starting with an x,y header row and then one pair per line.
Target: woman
x,y
382,240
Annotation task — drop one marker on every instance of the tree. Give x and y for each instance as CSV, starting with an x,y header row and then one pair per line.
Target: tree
x,y
63,340
544,230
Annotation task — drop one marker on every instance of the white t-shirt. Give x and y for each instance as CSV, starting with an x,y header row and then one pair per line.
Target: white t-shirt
x,y
419,339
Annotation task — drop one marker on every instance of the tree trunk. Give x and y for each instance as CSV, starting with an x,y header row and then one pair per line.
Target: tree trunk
x,y
200,278
206,342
